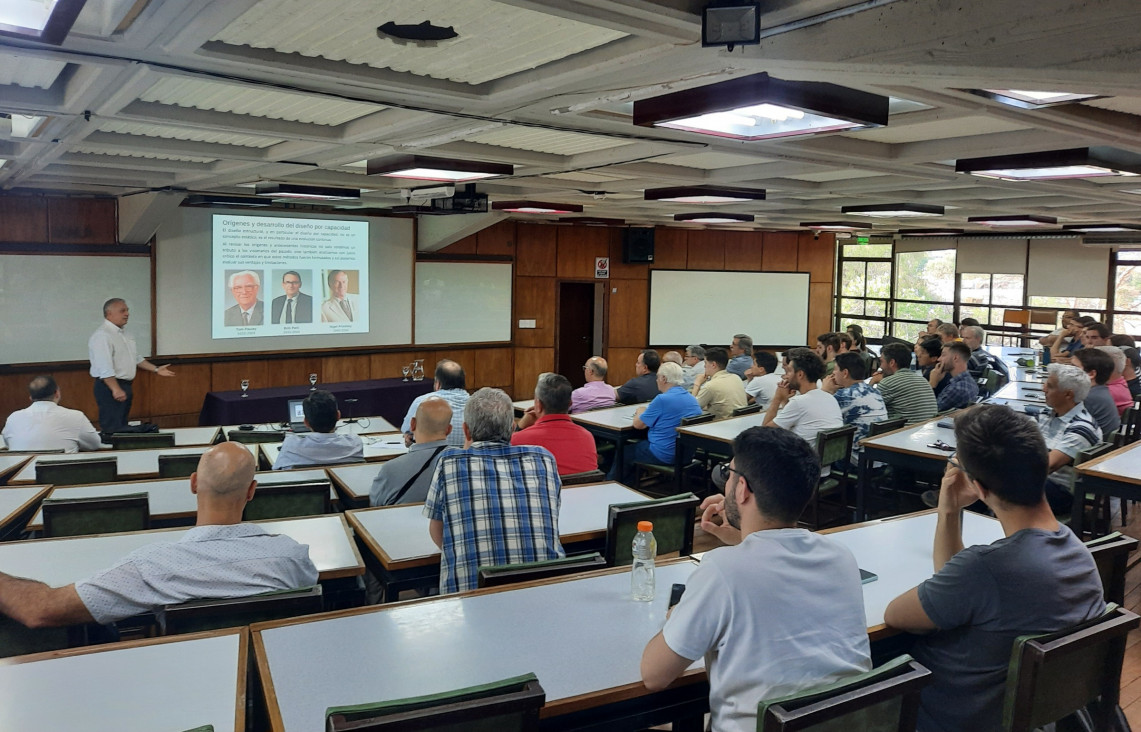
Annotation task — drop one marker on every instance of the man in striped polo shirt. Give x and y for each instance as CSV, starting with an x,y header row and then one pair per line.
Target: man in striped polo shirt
x,y
905,392
1069,431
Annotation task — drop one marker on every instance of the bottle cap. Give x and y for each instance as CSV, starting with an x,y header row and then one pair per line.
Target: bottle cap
x,y
645,526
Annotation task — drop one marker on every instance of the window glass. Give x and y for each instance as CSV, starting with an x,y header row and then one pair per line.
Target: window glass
x,y
925,276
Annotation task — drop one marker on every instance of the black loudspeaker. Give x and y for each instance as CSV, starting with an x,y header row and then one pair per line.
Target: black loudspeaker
x,y
637,245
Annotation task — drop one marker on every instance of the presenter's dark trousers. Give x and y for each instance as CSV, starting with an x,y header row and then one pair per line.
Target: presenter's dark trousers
x,y
112,414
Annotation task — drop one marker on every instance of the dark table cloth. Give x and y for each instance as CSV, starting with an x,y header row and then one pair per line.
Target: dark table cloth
x,y
388,398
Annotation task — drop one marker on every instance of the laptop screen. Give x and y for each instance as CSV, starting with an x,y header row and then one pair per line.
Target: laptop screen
x,y
296,411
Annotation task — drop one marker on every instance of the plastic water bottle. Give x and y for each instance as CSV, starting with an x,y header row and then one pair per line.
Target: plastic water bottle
x,y
645,548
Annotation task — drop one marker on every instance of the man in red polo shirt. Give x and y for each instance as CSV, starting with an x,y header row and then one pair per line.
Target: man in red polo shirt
x,y
548,425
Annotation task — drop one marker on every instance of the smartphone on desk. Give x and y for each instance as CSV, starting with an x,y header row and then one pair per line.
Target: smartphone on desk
x,y
676,591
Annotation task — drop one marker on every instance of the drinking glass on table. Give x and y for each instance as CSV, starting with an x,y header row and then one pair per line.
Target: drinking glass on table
x,y
312,382
245,387
406,370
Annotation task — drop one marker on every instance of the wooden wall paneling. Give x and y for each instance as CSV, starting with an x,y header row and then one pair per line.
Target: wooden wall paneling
x,y
629,311
166,421
620,365
228,375
76,391
819,310
578,246
671,248
744,250
535,299
499,238
23,219
388,365
618,270
181,394
82,220
816,256
14,394
490,367
529,363
706,249
467,245
345,368
780,251
536,250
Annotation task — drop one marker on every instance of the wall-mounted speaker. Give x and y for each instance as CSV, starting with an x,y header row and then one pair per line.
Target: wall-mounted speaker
x,y
637,245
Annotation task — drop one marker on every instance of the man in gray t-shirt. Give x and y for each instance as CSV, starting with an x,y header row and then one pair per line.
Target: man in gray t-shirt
x,y
1039,578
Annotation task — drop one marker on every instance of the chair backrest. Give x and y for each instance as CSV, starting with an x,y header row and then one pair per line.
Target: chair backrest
x,y
672,517
253,437
198,615
1054,674
77,472
835,445
177,466
1044,317
699,419
590,476
128,441
510,705
1017,317
96,515
992,380
1111,553
886,425
506,574
1130,429
885,699
16,639
747,409
288,500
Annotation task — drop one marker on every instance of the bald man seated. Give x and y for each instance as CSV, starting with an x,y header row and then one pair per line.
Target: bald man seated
x,y
219,558
406,479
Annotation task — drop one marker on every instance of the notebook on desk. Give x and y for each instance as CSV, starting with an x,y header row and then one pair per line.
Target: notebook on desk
x,y
296,416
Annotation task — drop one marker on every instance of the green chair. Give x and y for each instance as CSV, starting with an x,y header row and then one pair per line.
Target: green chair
x,y
833,446
199,615
673,519
178,466
96,515
669,471
255,437
1101,506
1130,429
747,409
510,705
18,640
77,472
886,425
505,574
1111,553
885,699
1069,675
288,500
590,476
134,441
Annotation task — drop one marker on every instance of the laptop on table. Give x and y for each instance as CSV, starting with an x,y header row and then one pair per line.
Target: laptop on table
x,y
296,416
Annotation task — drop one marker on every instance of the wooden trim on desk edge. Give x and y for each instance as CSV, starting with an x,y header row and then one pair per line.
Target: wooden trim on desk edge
x,y
121,645
39,495
243,674
1092,465
269,693
352,546
591,700
8,473
875,522
377,551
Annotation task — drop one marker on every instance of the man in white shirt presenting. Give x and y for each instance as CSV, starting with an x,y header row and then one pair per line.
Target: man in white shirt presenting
x,y
114,361
45,425
778,611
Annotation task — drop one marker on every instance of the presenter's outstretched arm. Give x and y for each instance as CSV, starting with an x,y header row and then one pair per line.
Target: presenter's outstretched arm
x,y
163,370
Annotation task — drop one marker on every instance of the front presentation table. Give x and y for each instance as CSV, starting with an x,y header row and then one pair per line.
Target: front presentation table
x,y
1116,474
389,398
177,683
131,464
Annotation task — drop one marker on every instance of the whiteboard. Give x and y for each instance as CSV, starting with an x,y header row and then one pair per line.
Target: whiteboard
x,y
691,307
463,302
51,304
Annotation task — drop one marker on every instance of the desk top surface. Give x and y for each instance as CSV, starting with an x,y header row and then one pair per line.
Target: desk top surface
x,y
1122,465
14,500
1033,393
915,440
523,405
377,448
153,673
59,562
617,419
363,426
355,479
399,534
1018,405
9,463
139,463
724,430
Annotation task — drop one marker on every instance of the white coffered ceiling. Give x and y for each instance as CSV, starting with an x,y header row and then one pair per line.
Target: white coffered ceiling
x,y
213,95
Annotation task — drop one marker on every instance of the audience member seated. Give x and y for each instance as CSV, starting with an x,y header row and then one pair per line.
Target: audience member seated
x,y
492,503
1068,317
644,386
860,345
932,330
45,425
673,357
827,346
718,391
1063,347
1039,578
905,392
450,385
974,337
732,613
968,321
764,379
1070,430
927,355
798,405
962,390
322,446
548,425
1133,372
218,558
661,419
860,404
740,355
1098,366
595,393
405,479
693,365
1117,386
947,332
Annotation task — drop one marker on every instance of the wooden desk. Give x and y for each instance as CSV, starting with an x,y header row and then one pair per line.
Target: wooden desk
x,y
59,562
614,424
522,406
1024,392
377,448
1115,474
1028,376
10,465
402,555
904,448
171,501
354,482
183,436
364,426
134,464
1010,354
582,637
17,502
716,437
139,686
1019,405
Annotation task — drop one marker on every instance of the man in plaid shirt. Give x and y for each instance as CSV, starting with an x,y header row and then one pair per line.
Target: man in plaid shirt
x,y
492,503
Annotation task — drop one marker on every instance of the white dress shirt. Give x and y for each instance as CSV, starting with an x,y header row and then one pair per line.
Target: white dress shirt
x,y
112,352
46,425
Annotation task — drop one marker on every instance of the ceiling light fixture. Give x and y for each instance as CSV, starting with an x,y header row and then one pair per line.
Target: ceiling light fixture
x,y
835,225
25,125
730,23
536,207
715,218
207,199
1078,162
1016,220
759,107
703,194
423,167
46,21
1032,99
894,210
931,232
1102,228
296,190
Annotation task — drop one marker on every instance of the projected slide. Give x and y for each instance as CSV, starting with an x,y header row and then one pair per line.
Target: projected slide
x,y
286,276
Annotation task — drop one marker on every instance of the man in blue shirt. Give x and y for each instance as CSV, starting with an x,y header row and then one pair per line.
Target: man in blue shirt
x,y
660,418
962,390
740,355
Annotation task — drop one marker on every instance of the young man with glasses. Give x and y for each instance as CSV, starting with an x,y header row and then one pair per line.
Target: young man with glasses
x,y
777,594
1039,578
